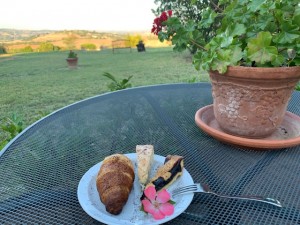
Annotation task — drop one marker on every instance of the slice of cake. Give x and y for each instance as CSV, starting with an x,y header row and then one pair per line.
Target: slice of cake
x,y
145,155
167,173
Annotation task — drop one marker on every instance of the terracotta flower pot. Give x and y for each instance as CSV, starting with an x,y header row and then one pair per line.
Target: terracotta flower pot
x,y
250,101
72,62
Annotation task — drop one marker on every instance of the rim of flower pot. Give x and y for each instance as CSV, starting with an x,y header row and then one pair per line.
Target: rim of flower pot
x,y
262,72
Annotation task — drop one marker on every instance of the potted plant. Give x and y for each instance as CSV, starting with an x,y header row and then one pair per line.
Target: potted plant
x,y
252,56
72,59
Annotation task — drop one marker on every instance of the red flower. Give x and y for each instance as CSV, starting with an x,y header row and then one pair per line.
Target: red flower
x,y
155,30
163,16
157,23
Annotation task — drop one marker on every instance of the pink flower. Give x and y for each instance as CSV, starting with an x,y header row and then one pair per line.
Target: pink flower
x,y
157,203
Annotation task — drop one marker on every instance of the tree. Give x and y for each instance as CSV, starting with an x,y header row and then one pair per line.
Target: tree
x,y
133,40
88,46
46,47
2,49
184,9
192,10
69,41
27,49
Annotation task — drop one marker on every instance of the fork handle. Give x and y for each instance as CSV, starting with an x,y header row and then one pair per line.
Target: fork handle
x,y
254,198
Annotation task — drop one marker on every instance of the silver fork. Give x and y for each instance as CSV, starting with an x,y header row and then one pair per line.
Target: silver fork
x,y
205,189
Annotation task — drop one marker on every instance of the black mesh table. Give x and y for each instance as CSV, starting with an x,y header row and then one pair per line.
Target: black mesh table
x,y
41,168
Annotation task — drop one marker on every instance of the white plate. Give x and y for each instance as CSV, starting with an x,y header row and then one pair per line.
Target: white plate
x,y
90,202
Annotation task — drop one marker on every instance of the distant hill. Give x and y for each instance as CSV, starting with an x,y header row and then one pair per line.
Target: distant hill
x,y
7,35
18,39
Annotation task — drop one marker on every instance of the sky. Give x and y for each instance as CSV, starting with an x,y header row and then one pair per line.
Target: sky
x,y
98,15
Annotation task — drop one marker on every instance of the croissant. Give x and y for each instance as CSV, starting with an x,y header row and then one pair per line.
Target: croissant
x,y
114,182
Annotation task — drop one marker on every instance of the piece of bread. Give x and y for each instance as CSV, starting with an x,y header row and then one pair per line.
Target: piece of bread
x,y
114,182
145,154
167,173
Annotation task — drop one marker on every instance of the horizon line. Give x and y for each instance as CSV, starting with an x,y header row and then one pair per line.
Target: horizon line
x,y
22,29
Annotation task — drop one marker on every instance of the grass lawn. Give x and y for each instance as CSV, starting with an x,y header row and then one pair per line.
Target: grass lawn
x,y
33,85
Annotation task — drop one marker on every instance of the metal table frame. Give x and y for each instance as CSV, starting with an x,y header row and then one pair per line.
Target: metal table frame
x,y
41,167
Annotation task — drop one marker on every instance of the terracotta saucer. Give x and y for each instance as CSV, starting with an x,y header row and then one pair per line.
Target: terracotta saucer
x,y
286,135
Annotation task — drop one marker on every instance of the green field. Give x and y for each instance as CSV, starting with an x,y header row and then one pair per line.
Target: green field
x,y
34,85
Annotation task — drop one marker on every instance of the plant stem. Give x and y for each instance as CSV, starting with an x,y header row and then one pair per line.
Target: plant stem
x,y
281,50
216,6
198,45
276,21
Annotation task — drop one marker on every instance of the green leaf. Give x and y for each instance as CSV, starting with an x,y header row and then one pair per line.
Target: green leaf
x,y
259,49
115,85
226,41
180,39
266,8
190,26
296,18
264,22
254,5
297,88
179,48
13,126
243,1
199,62
162,36
278,61
172,202
296,61
241,17
214,43
208,17
2,144
220,66
220,42
198,37
236,56
264,55
112,87
108,75
222,60
289,33
142,209
236,30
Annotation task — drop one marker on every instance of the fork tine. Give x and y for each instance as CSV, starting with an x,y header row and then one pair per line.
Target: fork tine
x,y
185,189
183,192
